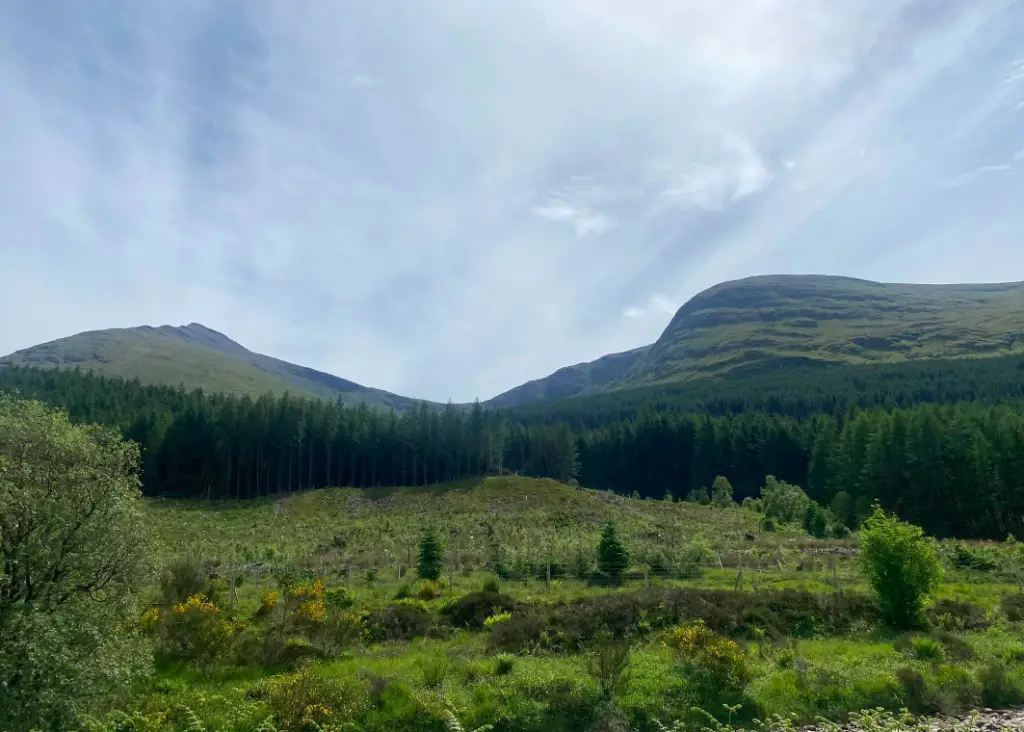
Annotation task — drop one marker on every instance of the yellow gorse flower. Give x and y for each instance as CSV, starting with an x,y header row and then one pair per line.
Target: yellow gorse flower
x,y
197,603
149,618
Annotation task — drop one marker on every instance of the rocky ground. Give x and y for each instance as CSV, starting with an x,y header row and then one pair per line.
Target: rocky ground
x,y
985,720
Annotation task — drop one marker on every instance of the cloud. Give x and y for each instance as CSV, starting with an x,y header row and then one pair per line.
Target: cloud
x,y
585,222
972,176
657,305
445,198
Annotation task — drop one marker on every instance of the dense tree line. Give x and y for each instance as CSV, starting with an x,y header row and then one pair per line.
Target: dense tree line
x,y
798,392
954,469
222,446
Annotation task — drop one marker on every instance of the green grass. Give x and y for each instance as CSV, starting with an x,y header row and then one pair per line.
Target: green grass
x,y
407,685
530,520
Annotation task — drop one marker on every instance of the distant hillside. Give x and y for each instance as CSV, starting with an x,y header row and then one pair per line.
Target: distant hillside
x,y
772,322
197,357
573,380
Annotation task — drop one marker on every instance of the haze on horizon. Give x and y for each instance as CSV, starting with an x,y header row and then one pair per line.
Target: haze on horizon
x,y
445,198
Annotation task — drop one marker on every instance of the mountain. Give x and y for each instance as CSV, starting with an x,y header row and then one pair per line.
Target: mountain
x,y
196,356
573,380
775,321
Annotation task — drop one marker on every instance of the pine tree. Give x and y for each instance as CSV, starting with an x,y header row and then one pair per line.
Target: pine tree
x,y
612,557
431,556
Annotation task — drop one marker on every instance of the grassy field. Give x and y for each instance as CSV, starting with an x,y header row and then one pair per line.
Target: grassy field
x,y
524,653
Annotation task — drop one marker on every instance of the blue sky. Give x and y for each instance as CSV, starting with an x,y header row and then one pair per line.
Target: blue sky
x,y
446,198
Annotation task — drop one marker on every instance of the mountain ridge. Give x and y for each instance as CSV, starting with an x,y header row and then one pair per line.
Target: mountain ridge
x,y
732,328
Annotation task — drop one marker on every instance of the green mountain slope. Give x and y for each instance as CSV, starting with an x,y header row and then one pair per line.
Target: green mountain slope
x,y
197,357
573,380
771,322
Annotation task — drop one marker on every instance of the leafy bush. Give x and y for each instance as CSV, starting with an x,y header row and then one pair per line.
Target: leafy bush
x,y
195,630
1000,687
964,557
1012,607
958,615
400,621
927,649
608,663
472,610
522,632
503,664
492,585
697,645
901,566
721,492
73,557
428,591
783,501
304,699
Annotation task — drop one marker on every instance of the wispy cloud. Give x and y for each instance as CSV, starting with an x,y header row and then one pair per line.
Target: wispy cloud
x,y
447,198
972,176
657,305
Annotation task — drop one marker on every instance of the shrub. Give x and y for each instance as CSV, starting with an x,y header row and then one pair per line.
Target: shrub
x,y
472,610
608,663
697,645
964,557
721,492
519,633
304,699
70,522
503,664
195,630
338,598
431,557
1012,607
400,621
927,649
404,591
901,566
783,501
612,557
428,591
999,687
958,615
492,585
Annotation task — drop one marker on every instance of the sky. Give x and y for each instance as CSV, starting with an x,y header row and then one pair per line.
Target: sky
x,y
447,198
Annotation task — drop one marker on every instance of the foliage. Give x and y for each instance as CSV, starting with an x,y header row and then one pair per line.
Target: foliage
x,y
901,566
431,556
612,557
608,663
194,630
723,659
782,501
721,492
72,552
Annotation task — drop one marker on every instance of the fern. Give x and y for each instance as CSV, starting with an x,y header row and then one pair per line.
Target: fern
x,y
452,723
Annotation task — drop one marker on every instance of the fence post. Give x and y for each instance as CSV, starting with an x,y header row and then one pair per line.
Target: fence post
x,y
647,582
549,575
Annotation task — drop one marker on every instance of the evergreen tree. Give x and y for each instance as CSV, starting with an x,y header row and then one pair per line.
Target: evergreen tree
x,y
612,557
431,556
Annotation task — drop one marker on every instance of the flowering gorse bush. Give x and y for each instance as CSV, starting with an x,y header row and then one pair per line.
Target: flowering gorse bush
x,y
194,630
697,645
